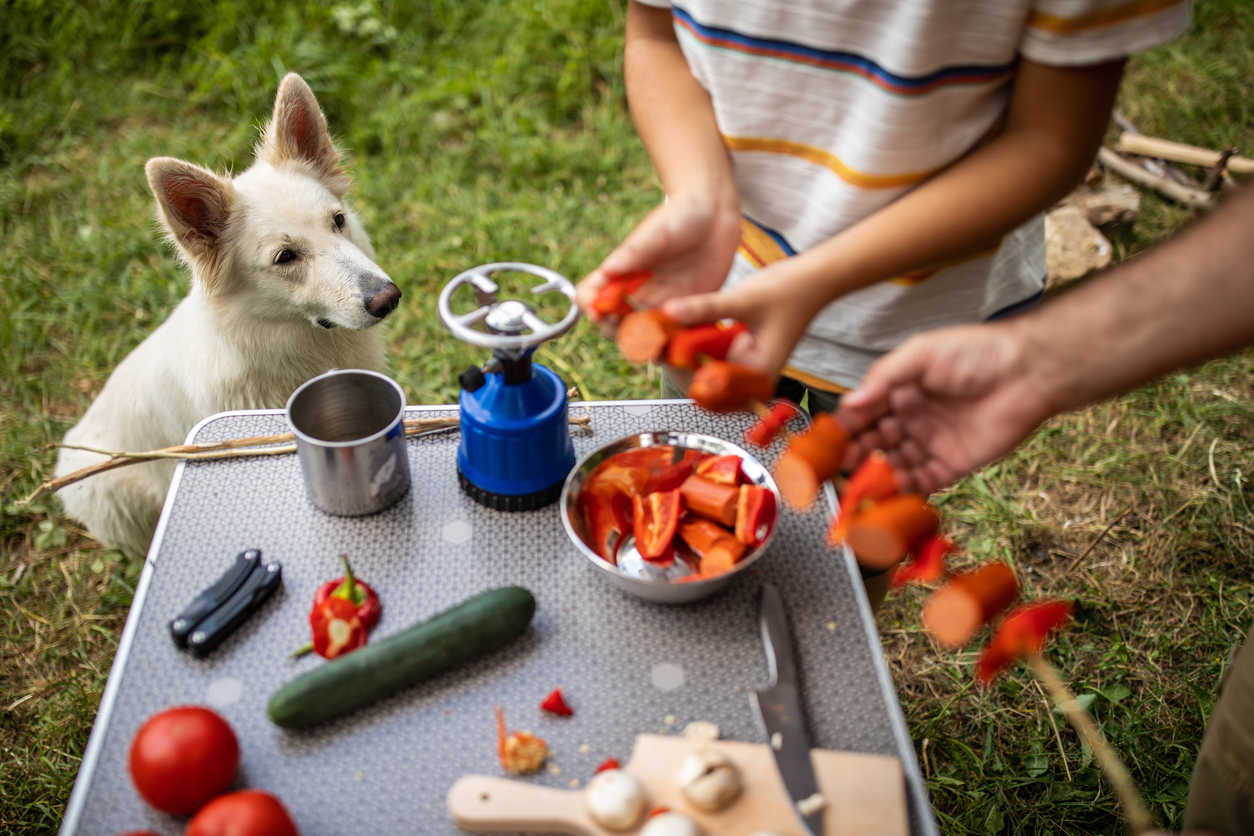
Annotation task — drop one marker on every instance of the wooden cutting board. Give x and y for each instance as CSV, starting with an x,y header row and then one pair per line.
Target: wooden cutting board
x,y
865,795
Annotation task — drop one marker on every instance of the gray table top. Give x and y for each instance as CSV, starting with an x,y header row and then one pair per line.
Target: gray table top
x,y
626,666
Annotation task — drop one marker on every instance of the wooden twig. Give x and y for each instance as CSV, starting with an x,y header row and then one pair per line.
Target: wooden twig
x,y
262,445
1163,149
1134,809
1097,539
1128,170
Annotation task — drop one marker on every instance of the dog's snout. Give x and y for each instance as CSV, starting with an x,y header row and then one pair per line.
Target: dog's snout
x,y
384,301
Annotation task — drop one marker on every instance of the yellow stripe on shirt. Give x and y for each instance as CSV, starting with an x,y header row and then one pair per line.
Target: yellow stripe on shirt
x,y
919,276
1058,25
818,156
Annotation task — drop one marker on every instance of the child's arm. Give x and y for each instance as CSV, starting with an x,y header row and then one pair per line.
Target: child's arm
x,y
689,241
1056,120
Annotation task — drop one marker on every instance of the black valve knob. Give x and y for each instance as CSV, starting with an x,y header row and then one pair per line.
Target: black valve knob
x,y
472,379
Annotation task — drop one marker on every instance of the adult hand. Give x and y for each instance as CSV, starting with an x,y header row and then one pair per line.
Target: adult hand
x,y
948,402
687,243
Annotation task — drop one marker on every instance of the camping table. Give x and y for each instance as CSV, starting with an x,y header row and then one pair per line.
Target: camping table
x,y
627,666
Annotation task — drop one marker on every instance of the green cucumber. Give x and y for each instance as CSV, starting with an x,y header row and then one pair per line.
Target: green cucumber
x,y
473,627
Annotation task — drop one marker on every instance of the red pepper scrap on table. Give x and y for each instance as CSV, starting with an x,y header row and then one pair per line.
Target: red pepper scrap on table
x,y
608,763
555,703
365,600
693,346
521,751
762,433
614,298
655,518
1024,631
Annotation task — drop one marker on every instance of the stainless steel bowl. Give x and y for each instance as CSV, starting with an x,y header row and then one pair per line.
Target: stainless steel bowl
x,y
633,574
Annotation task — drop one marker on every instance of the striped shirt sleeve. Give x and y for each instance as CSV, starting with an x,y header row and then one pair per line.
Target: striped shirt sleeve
x,y
1074,32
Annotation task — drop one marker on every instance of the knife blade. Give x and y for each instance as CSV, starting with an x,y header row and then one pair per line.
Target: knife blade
x,y
782,717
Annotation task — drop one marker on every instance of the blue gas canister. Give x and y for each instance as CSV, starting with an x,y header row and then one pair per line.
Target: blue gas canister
x,y
515,449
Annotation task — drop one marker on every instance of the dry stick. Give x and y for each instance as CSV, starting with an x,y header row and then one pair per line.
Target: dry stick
x,y
1098,539
1134,809
1163,149
1050,714
1128,170
228,449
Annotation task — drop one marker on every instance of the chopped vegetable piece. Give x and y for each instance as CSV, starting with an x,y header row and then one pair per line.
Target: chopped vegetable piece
x,y
693,346
769,425
954,613
755,514
721,557
555,703
872,481
668,477
521,751
722,469
700,534
1025,630
613,299
928,564
886,532
643,335
337,629
608,763
655,519
720,386
710,499
607,517
811,459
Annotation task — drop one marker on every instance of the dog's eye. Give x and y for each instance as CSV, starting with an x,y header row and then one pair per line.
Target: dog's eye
x,y
339,220
284,257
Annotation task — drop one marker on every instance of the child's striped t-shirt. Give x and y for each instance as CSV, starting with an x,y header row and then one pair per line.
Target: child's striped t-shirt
x,y
834,108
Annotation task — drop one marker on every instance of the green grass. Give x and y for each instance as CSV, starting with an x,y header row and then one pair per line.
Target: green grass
x,y
491,131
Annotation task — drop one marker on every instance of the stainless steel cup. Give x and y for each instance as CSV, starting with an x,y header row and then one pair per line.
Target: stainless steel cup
x,y
351,441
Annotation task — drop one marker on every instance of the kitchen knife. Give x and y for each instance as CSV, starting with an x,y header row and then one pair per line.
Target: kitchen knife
x,y
215,596
781,716
219,624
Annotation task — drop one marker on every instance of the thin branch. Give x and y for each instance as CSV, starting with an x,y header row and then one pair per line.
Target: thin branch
x,y
1098,539
1134,809
1129,170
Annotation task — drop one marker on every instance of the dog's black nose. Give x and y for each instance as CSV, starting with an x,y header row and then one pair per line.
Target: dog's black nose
x,y
385,301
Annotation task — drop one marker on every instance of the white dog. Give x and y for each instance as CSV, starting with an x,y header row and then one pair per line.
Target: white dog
x,y
284,287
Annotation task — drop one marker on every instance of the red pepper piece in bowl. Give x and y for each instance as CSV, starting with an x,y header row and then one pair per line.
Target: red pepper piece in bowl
x,y
656,517
722,469
555,703
755,514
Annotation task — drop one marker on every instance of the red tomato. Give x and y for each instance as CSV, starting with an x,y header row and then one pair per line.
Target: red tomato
x,y
243,813
182,757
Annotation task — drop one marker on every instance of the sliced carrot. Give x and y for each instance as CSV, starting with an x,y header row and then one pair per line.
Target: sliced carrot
x,y
928,564
710,499
643,335
1025,630
719,559
811,459
954,613
700,534
886,532
873,480
720,386
693,346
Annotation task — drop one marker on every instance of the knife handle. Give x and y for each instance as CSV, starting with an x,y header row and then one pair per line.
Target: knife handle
x,y
220,623
215,596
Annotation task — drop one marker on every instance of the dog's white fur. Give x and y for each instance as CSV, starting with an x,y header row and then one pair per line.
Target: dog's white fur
x,y
276,258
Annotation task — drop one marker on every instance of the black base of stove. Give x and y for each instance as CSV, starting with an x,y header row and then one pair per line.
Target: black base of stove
x,y
511,502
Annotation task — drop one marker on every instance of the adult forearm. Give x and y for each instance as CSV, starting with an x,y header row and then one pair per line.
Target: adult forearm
x,y
1186,301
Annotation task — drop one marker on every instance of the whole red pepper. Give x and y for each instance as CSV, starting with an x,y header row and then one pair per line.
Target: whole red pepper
x,y
360,595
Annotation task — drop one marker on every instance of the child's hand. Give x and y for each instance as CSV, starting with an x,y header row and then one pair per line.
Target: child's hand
x,y
688,245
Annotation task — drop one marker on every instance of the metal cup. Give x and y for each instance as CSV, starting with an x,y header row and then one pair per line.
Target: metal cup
x,y
351,441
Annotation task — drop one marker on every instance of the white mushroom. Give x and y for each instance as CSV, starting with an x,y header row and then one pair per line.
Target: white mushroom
x,y
671,824
615,799
708,779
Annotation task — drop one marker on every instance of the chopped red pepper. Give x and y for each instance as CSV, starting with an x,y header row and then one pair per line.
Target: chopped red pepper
x,y
755,514
655,518
608,763
1025,630
613,299
769,425
606,517
693,346
722,469
872,481
337,629
928,564
668,477
555,703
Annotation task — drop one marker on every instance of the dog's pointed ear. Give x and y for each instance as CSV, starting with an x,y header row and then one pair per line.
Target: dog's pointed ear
x,y
195,207
298,132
